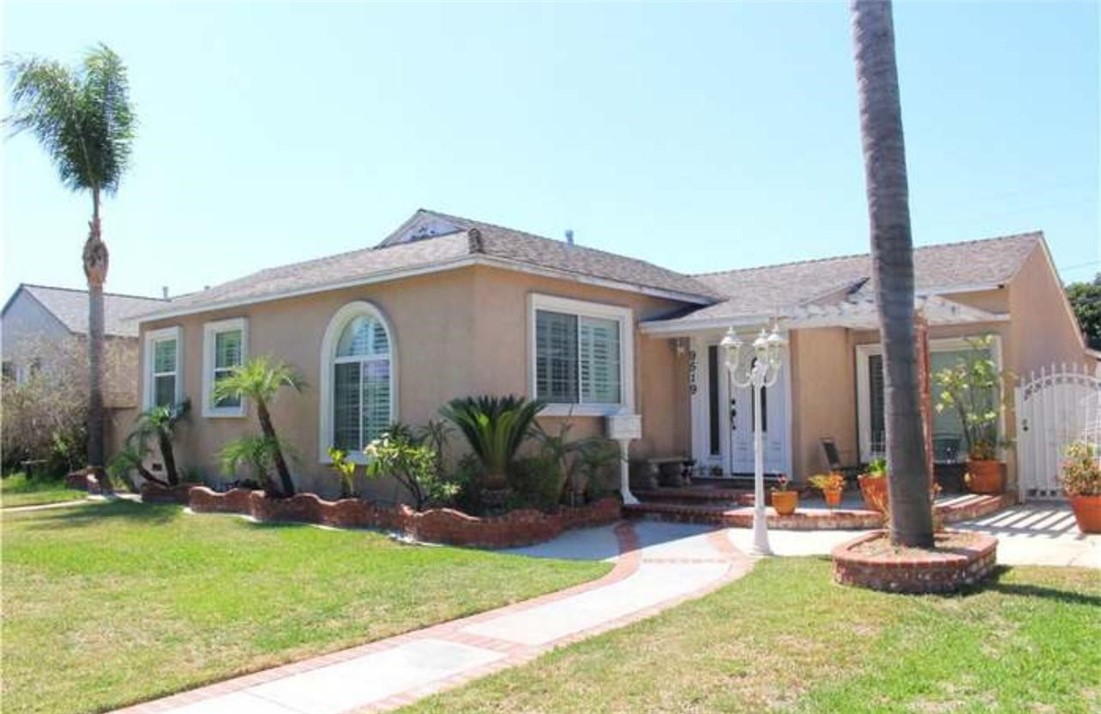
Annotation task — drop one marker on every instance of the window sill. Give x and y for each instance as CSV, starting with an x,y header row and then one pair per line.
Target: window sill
x,y
583,410
224,413
356,457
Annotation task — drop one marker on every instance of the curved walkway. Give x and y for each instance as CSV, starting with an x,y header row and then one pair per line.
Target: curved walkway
x,y
656,566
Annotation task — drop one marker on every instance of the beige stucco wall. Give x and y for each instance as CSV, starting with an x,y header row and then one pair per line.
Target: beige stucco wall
x,y
455,333
823,398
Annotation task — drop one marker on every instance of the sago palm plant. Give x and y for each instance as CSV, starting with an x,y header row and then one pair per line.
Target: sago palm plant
x,y
259,380
495,427
83,120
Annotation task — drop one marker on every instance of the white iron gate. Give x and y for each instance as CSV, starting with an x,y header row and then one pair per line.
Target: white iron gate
x,y
1054,408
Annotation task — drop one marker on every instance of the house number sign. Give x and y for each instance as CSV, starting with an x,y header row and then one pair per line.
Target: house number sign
x,y
692,372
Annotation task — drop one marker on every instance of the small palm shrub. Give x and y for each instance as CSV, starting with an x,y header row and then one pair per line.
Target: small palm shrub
x,y
159,425
494,427
256,454
260,380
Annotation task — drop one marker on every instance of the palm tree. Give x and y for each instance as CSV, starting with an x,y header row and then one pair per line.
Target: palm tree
x,y
893,267
158,424
259,380
84,121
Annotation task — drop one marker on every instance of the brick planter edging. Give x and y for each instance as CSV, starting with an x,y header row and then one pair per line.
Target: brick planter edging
x,y
155,493
437,525
943,572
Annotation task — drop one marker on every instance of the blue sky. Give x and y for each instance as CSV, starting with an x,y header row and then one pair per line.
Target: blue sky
x,y
697,136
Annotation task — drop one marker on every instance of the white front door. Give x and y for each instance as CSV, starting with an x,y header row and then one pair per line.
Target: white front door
x,y
774,427
722,416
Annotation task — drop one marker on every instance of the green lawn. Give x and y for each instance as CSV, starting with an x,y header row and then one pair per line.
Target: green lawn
x,y
785,639
106,604
17,490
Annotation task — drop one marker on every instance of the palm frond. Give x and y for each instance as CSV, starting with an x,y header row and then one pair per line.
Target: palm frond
x,y
83,119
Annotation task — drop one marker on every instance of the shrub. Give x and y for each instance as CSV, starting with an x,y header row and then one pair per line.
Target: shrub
x,y
537,482
413,465
257,453
345,471
495,427
1081,473
45,417
158,424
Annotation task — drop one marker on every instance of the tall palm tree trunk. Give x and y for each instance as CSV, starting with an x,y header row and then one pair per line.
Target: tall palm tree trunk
x,y
892,254
268,428
95,269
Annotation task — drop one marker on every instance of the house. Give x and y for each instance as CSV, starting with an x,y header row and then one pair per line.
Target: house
x,y
40,324
447,306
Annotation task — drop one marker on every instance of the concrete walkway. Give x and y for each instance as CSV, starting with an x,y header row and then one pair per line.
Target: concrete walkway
x,y
1027,535
657,565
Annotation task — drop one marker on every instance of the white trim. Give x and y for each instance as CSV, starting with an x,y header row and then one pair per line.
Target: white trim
x,y
863,384
149,340
210,333
438,267
624,316
336,326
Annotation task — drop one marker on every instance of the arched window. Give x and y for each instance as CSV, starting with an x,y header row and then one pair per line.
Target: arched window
x,y
357,379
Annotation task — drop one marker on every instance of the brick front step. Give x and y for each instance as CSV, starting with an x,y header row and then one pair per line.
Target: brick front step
x,y
696,494
951,510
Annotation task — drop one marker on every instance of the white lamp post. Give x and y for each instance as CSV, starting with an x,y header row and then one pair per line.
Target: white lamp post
x,y
759,371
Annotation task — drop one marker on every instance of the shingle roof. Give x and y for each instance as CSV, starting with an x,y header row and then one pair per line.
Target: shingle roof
x,y
770,290
473,238
71,308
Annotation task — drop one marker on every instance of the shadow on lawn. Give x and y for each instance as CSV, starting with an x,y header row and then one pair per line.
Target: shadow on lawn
x,y
994,584
89,514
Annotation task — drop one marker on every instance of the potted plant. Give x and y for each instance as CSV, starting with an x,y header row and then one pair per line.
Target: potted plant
x,y
831,485
1081,476
873,485
973,388
784,499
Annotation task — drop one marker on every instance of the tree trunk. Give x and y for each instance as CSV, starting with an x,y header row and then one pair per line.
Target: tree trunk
x,y
892,255
269,433
164,441
95,269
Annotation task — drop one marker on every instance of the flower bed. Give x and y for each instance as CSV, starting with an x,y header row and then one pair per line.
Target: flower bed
x,y
959,559
437,525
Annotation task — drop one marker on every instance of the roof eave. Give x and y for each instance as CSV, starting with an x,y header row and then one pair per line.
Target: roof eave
x,y
428,268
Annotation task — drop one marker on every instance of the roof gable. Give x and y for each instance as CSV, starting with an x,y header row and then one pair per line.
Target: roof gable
x,y
70,308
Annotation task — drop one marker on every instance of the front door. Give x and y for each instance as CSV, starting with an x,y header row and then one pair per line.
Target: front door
x,y
743,402
722,421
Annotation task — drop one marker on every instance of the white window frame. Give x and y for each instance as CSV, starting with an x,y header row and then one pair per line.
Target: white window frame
x,y
152,337
863,383
333,331
211,330
581,308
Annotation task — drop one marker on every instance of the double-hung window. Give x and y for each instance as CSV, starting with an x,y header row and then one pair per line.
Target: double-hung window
x,y
162,368
582,356
225,347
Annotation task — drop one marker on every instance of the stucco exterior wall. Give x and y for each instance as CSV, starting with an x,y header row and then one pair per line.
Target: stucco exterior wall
x,y
1044,330
823,398
24,322
455,333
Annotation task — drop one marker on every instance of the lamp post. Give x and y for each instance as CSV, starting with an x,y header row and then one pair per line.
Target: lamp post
x,y
759,371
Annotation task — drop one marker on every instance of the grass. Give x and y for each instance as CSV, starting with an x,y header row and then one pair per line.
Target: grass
x,y
108,604
17,490
785,639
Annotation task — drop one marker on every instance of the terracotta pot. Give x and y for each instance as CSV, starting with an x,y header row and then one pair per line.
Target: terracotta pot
x,y
874,491
785,502
984,476
833,497
1087,511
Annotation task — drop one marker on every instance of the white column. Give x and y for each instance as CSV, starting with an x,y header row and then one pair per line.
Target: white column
x,y
625,473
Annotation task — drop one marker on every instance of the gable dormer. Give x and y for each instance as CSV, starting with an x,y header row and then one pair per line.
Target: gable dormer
x,y
422,225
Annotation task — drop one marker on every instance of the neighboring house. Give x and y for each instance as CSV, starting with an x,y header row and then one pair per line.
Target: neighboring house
x,y
448,307
39,323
